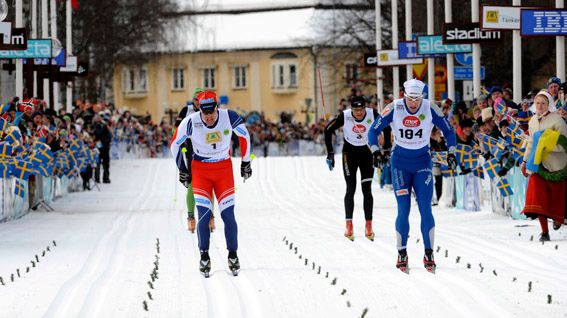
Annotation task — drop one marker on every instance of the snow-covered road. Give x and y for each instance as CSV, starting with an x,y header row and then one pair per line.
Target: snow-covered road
x,y
103,248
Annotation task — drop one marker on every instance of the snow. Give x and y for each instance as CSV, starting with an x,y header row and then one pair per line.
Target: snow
x,y
106,246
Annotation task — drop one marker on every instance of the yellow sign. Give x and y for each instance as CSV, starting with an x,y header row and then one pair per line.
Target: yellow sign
x,y
384,57
419,70
440,88
213,137
440,74
492,16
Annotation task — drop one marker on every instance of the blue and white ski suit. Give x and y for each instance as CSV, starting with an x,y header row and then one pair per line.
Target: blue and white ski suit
x,y
411,161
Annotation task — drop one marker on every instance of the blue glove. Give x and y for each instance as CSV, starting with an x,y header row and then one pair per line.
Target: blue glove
x,y
331,161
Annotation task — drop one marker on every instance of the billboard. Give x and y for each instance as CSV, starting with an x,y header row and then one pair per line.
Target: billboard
x,y
36,49
463,33
391,58
542,22
433,44
408,50
500,18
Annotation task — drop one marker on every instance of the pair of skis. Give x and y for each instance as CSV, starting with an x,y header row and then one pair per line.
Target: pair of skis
x,y
205,267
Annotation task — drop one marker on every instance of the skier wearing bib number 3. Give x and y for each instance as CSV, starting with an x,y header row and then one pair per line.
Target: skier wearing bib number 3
x,y
209,131
412,119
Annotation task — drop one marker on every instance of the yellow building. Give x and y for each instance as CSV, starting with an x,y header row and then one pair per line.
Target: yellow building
x,y
256,67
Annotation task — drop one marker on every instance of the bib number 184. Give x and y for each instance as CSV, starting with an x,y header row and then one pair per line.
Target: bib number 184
x,y
409,133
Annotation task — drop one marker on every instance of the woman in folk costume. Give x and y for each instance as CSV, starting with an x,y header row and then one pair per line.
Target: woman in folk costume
x,y
545,198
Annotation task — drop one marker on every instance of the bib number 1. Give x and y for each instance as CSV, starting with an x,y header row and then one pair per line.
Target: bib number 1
x,y
409,133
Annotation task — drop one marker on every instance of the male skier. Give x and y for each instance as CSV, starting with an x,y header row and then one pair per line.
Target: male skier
x,y
209,130
412,119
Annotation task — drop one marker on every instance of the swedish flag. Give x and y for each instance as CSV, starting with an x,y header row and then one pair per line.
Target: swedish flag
x,y
504,187
446,172
492,167
20,189
5,150
13,136
466,156
6,168
437,157
514,128
4,124
477,172
23,169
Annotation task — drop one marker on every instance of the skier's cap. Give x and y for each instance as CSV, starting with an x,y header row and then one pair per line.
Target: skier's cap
x,y
413,88
358,102
207,101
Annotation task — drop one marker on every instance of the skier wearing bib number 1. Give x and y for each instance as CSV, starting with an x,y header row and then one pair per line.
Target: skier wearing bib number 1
x,y
209,131
412,118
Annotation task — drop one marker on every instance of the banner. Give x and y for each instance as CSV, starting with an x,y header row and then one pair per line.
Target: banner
x,y
36,49
463,33
390,58
500,18
408,50
433,44
541,22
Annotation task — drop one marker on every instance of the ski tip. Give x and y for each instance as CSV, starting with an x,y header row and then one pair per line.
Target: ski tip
x,y
350,238
371,238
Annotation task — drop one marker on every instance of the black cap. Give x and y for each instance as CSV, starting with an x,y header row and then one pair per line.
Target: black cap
x,y
358,101
466,123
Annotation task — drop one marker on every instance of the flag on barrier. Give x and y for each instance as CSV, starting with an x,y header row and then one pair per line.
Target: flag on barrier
x,y
20,189
6,168
4,124
477,172
13,136
439,157
446,172
504,187
492,167
23,169
5,150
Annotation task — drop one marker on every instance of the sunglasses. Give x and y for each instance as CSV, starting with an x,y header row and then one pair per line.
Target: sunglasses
x,y
412,99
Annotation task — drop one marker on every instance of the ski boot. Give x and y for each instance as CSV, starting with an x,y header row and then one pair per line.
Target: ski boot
x,y
205,264
368,230
428,261
348,232
233,263
544,237
402,263
191,223
212,226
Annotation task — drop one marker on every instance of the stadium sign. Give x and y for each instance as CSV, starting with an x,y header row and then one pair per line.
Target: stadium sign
x,y
456,33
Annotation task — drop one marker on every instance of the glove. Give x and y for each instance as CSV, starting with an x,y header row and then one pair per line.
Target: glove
x,y
331,161
245,170
502,172
378,159
185,178
487,155
465,171
509,164
451,161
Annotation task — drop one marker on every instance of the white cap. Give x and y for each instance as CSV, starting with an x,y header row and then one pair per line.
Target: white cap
x,y
551,108
414,88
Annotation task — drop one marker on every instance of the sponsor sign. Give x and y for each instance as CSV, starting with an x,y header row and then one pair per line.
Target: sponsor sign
x,y
70,64
402,192
464,59
411,121
59,60
433,44
541,22
17,40
500,18
36,49
408,50
390,58
464,73
459,33
359,129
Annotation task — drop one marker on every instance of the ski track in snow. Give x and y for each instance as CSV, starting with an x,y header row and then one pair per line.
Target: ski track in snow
x,y
102,264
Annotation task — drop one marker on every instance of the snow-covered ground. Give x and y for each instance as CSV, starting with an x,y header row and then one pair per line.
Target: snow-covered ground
x,y
296,263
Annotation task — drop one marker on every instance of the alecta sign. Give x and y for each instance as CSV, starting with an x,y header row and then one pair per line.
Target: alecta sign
x,y
455,33
36,49
433,44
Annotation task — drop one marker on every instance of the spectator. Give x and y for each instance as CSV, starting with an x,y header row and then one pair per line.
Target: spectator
x,y
545,199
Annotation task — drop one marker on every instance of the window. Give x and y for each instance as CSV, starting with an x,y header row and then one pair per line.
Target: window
x,y
135,80
178,79
351,74
209,78
284,75
239,77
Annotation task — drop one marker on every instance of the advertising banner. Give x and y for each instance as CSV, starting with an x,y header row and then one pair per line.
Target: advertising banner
x,y
433,44
463,33
408,50
36,49
542,22
500,18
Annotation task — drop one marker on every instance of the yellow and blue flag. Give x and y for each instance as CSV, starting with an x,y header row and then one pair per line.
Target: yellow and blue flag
x,y
20,189
492,167
504,187
5,150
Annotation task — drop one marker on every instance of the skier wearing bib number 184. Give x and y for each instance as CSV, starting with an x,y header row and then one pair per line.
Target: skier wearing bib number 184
x,y
412,118
209,131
